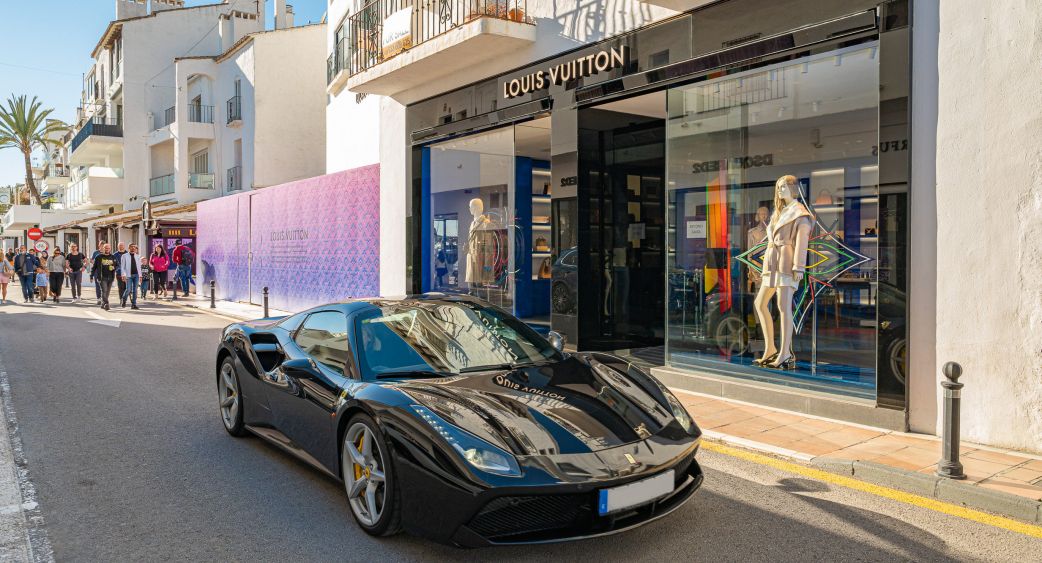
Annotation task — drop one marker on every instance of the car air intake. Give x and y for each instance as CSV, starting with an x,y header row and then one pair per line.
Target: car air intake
x,y
521,515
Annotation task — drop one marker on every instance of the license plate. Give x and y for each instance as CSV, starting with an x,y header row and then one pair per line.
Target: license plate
x,y
635,494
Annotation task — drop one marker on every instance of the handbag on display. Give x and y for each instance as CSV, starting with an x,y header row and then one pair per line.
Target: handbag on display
x,y
824,198
544,271
541,245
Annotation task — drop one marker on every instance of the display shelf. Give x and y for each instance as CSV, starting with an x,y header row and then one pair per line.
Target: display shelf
x,y
540,226
540,254
539,198
869,238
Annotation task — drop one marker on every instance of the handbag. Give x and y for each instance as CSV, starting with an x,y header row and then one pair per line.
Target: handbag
x,y
541,245
545,271
824,198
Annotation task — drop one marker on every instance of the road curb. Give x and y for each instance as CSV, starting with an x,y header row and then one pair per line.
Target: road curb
x,y
935,487
922,484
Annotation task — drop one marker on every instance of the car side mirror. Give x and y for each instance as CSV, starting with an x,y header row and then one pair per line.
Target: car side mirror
x,y
556,340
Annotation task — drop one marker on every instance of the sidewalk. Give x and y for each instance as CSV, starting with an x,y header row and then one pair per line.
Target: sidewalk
x,y
234,309
1000,481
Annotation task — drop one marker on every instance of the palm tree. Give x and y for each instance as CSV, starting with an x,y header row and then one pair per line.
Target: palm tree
x,y
24,126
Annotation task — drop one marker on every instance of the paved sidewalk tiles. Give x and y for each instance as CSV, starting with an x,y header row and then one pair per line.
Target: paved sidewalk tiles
x,y
849,446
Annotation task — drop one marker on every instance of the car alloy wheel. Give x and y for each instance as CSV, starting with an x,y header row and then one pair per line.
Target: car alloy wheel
x,y
229,398
365,475
732,336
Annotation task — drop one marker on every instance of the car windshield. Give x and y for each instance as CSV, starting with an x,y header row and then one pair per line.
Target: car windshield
x,y
440,338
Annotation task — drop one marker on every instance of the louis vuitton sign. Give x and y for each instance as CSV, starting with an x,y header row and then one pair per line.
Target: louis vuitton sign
x,y
579,67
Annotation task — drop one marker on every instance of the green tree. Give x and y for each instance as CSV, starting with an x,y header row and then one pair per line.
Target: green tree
x,y
24,126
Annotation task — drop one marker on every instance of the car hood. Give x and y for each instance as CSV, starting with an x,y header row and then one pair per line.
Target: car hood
x,y
577,405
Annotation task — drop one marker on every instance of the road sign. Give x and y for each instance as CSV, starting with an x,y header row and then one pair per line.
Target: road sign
x,y
40,246
35,234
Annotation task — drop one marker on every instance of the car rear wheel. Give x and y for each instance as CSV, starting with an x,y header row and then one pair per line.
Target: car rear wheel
x,y
369,478
229,399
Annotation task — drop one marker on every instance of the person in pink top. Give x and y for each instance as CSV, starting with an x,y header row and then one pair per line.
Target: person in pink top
x,y
160,264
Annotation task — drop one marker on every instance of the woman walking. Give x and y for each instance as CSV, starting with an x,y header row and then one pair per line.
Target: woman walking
x,y
160,264
75,263
56,268
6,271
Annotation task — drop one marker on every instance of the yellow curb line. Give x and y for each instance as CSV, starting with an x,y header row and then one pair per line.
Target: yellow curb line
x,y
878,490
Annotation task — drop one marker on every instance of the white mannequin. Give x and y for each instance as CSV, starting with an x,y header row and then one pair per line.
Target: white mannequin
x,y
474,270
790,226
477,210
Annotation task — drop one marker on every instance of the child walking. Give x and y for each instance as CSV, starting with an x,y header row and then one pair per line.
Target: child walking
x,y
146,276
42,281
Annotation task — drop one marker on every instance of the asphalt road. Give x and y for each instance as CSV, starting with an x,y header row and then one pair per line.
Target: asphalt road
x,y
125,448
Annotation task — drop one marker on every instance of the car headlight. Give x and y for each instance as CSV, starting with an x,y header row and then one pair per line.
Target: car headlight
x,y
679,412
477,452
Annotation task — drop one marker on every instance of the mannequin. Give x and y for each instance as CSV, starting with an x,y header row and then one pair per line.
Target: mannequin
x,y
480,251
784,262
755,236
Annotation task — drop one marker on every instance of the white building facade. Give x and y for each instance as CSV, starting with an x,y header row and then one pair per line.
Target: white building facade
x,y
633,146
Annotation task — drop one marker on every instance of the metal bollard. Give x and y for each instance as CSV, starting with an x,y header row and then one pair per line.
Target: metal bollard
x,y
265,302
213,303
949,466
176,283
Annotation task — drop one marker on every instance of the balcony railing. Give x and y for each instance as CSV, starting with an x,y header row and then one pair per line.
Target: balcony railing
x,y
200,180
408,23
161,185
337,61
235,109
167,118
235,178
97,126
200,114
57,171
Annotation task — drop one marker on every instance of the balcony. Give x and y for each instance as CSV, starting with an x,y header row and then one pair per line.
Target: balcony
x,y
200,114
234,110
399,45
99,187
161,185
168,118
97,139
234,178
200,181
337,68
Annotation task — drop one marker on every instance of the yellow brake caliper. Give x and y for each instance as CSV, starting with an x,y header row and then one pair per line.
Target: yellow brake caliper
x,y
358,468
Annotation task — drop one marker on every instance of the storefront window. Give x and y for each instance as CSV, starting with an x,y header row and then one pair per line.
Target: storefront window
x,y
728,140
472,238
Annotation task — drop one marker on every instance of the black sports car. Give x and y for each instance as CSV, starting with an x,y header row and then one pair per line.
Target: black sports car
x,y
455,421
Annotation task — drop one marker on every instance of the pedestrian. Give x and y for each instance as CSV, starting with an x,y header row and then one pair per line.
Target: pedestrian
x,y
6,271
93,257
25,266
121,282
146,277
103,271
184,259
42,280
130,273
56,272
74,266
160,264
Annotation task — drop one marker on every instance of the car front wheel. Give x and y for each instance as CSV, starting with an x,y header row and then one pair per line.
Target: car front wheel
x,y
369,478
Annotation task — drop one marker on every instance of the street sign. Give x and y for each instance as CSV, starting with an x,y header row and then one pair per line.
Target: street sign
x,y
35,234
40,246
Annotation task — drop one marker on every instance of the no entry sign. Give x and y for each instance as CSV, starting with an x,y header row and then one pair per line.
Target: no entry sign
x,y
35,234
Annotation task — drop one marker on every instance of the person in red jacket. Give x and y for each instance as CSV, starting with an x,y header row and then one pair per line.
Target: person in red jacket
x,y
160,264
184,259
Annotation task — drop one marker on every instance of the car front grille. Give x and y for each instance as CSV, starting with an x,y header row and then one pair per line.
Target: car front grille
x,y
523,515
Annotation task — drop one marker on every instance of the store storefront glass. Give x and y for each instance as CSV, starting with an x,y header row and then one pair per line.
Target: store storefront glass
x,y
728,139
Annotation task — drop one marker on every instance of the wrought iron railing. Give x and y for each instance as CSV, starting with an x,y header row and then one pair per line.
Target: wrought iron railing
x,y
200,114
200,180
97,126
336,61
384,28
234,108
161,185
58,171
168,117
235,178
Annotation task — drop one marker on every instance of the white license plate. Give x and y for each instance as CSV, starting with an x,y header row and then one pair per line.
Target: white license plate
x,y
635,494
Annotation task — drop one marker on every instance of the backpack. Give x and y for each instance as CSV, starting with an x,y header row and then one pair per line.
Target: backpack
x,y
187,259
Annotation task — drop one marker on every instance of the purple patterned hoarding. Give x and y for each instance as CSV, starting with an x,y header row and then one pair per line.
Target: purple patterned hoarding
x,y
312,241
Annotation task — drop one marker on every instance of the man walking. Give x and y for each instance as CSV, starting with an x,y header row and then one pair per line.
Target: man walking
x,y
103,271
130,272
184,259
25,265
121,249
93,257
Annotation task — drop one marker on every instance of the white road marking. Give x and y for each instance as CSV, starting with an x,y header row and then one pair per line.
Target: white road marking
x,y
100,320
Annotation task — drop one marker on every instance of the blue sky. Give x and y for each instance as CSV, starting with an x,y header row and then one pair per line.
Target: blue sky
x,y
48,49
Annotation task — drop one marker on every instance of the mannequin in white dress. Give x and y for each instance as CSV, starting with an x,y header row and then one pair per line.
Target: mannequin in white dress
x,y
784,262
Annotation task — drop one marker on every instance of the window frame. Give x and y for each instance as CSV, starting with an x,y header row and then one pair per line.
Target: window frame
x,y
349,362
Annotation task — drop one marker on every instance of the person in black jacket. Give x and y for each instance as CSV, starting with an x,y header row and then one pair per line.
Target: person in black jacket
x,y
25,265
74,265
104,273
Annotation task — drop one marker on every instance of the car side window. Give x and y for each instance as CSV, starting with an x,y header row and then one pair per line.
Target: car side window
x,y
323,336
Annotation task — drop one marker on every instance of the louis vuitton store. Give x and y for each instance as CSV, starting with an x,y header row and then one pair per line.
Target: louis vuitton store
x,y
626,194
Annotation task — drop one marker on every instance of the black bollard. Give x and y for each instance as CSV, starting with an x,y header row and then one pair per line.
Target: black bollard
x,y
176,283
265,302
213,303
949,466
